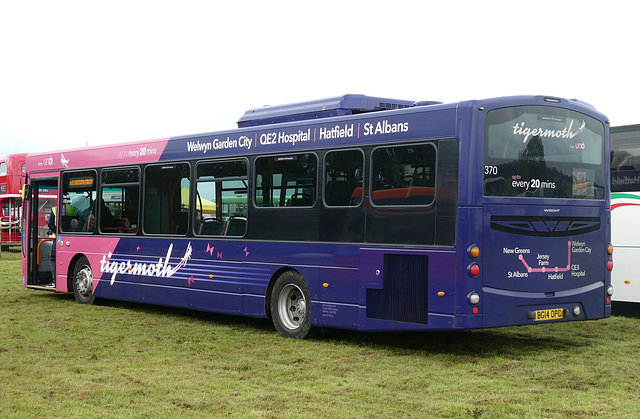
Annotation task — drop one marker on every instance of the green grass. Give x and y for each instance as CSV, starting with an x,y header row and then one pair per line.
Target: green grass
x,y
62,359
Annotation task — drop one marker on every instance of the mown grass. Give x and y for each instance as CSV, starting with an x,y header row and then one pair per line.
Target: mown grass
x,y
62,359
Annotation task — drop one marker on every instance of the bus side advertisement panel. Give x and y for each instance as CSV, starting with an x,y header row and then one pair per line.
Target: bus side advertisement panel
x,y
280,138
223,276
121,154
70,247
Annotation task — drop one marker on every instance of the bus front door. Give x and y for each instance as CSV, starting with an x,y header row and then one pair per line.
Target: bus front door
x,y
41,241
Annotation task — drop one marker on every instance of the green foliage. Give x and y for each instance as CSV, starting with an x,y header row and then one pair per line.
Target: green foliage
x,y
62,359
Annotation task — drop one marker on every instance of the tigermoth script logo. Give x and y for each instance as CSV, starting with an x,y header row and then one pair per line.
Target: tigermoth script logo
x,y
528,132
160,269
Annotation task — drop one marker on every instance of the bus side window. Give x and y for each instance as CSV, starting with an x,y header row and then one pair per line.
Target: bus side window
x,y
403,175
221,198
343,175
286,181
166,199
120,193
77,211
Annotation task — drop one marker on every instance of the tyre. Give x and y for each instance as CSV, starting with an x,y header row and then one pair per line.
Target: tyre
x,y
291,306
83,282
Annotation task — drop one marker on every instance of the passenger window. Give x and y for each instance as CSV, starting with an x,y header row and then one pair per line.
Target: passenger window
x,y
166,199
403,175
120,191
343,178
221,199
286,181
77,211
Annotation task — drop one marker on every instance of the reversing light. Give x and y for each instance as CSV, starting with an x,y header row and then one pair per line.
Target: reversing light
x,y
610,290
576,311
474,298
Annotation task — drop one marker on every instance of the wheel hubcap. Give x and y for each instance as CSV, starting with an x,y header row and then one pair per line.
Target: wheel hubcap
x,y
84,281
292,306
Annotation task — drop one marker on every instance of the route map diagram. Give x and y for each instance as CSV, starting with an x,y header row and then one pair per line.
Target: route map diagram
x,y
547,269
542,262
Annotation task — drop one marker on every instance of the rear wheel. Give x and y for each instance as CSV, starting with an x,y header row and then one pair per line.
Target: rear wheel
x,y
291,306
83,282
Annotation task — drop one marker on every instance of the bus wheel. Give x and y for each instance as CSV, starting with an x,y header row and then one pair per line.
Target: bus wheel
x,y
83,282
291,306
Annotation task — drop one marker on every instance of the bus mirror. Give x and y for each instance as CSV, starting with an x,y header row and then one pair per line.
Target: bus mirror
x,y
26,192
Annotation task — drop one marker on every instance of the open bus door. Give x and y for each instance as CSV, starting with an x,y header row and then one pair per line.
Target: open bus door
x,y
42,196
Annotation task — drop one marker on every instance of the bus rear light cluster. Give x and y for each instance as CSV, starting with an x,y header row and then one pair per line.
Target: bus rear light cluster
x,y
610,261
474,253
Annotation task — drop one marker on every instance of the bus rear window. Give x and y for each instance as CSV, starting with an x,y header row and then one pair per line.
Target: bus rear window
x,y
544,152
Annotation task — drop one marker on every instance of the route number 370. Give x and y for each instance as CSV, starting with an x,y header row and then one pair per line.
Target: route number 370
x,y
491,170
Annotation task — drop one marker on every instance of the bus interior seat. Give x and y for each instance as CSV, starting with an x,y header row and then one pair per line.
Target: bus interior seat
x,y
210,227
235,227
43,253
300,200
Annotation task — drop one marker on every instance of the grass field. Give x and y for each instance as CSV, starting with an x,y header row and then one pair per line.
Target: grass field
x,y
62,359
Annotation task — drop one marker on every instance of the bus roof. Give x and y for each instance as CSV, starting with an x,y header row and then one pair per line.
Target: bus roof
x,y
17,156
625,128
321,108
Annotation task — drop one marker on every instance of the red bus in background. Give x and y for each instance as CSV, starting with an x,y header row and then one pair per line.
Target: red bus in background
x,y
12,175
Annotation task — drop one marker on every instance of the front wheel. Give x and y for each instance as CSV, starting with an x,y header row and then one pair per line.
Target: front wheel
x,y
291,306
83,282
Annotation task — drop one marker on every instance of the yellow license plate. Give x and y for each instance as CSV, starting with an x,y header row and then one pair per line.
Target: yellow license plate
x,y
551,314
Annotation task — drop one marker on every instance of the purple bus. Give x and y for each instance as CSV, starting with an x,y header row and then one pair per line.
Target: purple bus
x,y
353,212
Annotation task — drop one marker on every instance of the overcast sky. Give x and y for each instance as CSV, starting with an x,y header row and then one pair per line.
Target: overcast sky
x,y
74,73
